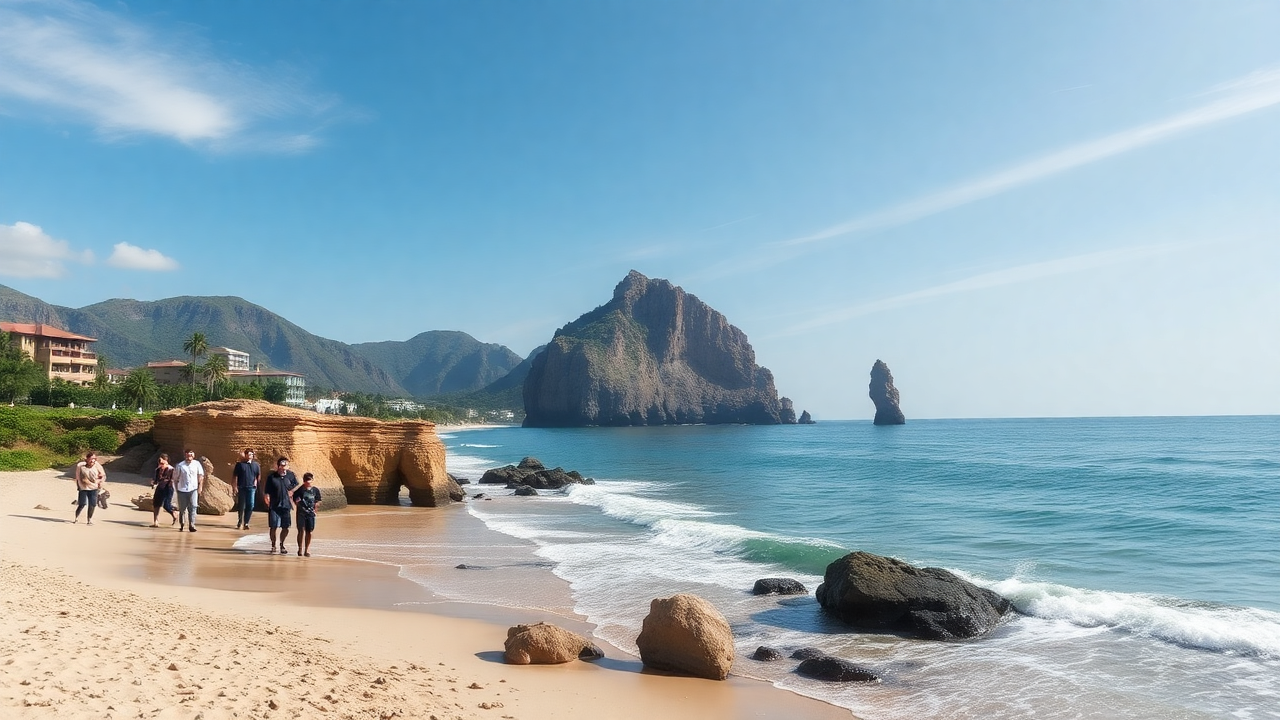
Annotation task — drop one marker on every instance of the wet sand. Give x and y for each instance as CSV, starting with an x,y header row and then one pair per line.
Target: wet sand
x,y
94,617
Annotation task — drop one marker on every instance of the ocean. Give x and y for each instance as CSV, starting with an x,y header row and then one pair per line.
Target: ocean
x,y
1143,554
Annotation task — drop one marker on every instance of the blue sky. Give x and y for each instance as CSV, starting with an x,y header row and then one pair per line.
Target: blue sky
x,y
1025,209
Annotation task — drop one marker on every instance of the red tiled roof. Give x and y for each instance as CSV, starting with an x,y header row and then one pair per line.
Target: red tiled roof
x,y
42,330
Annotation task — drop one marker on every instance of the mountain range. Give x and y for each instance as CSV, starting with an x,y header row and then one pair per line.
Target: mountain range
x,y
131,333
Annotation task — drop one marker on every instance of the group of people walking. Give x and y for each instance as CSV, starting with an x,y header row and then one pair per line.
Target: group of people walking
x,y
283,495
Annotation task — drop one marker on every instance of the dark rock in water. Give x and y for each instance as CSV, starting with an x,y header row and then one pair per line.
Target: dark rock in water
x,y
787,411
885,396
766,654
464,566
531,463
503,475
481,496
525,490
806,653
834,669
778,586
806,418
459,480
880,593
653,355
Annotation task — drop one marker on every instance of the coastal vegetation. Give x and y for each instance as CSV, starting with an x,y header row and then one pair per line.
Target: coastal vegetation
x,y
33,438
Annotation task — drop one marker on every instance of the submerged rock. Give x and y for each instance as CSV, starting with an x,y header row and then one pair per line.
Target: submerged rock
x,y
766,654
686,634
834,669
885,396
778,586
880,593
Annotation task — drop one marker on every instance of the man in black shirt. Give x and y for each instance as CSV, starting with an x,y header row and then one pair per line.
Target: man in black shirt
x,y
277,491
247,473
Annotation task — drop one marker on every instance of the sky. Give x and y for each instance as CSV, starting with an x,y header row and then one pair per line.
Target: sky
x,y
1025,209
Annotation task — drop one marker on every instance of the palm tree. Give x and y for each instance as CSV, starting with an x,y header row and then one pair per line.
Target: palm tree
x,y
214,371
139,388
195,346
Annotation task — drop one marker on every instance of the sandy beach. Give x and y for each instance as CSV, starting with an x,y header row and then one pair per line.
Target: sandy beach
x,y
122,620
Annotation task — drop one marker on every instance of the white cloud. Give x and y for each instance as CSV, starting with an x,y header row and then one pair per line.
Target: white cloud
x,y
1007,276
1255,91
132,257
73,59
26,251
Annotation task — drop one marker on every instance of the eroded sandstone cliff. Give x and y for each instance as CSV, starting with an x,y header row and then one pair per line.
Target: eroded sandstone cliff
x,y
653,355
357,460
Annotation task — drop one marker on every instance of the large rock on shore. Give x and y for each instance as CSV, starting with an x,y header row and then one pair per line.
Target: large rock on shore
x,y
880,593
543,644
354,459
686,634
885,396
653,355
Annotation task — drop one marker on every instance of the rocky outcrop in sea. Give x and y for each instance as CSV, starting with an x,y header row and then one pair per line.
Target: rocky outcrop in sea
x,y
532,475
885,396
876,592
653,355
806,418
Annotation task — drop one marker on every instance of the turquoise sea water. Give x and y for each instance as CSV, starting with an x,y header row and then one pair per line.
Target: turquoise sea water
x,y
1143,553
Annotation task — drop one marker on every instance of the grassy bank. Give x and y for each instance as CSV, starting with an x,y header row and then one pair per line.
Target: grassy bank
x,y
34,438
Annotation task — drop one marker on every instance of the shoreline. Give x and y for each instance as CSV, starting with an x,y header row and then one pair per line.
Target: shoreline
x,y
355,620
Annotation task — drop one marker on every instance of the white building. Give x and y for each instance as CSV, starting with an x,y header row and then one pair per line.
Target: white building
x,y
236,359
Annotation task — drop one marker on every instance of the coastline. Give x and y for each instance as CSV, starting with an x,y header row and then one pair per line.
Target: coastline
x,y
87,606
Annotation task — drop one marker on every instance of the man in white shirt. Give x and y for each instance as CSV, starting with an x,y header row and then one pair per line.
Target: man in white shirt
x,y
188,481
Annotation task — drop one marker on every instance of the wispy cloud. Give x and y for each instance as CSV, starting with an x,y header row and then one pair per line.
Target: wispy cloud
x,y
27,252
1007,276
132,257
1253,92
64,58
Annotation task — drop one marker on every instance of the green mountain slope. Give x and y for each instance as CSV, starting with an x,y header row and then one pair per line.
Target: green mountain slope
x,y
441,361
133,332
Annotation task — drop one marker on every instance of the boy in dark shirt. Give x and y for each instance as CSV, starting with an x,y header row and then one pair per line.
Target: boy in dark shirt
x,y
306,499
277,491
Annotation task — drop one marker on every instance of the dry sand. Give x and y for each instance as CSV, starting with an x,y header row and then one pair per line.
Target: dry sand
x,y
94,625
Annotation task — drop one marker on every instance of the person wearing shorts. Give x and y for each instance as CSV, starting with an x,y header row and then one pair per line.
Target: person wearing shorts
x,y
307,499
277,491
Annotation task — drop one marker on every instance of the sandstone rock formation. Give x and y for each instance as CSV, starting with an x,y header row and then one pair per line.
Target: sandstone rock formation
x,y
885,396
806,418
686,634
871,591
543,644
778,586
653,355
354,459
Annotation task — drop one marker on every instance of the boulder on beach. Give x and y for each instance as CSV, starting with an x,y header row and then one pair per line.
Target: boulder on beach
x,y
525,491
543,644
686,634
778,586
885,396
217,497
806,653
880,593
834,669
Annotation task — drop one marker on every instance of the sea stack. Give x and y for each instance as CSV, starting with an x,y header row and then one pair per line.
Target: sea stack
x,y
885,396
653,355
806,418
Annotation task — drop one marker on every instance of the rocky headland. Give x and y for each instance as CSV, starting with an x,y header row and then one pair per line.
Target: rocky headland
x,y
358,460
885,396
653,355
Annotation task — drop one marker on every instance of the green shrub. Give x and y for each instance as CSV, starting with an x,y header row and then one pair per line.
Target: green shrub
x,y
8,436
22,460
